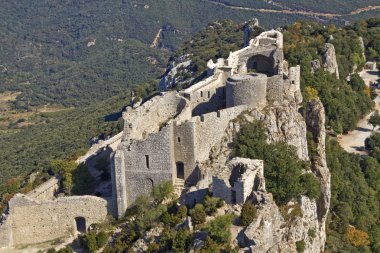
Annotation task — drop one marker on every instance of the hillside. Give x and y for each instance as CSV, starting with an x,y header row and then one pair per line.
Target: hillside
x,y
74,53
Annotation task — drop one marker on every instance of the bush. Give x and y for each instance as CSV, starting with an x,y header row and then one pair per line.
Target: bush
x,y
219,229
162,191
248,213
182,240
101,239
212,204
300,246
198,214
182,212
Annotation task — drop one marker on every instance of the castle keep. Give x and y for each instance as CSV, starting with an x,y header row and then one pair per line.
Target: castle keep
x,y
170,135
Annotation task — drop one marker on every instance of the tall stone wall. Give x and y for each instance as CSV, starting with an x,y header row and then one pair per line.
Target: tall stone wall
x,y
6,238
184,146
249,89
209,129
143,164
33,221
275,89
208,100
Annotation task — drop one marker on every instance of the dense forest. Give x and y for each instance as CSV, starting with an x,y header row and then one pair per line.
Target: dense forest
x,y
73,53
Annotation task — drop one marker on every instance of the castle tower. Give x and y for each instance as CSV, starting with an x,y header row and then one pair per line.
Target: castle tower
x,y
246,89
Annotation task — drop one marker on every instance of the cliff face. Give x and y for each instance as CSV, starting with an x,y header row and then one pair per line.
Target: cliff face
x,y
329,59
278,229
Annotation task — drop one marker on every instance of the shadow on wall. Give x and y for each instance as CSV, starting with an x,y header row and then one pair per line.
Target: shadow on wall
x,y
215,102
261,64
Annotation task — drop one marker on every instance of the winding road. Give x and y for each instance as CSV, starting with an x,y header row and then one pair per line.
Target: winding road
x,y
353,142
297,12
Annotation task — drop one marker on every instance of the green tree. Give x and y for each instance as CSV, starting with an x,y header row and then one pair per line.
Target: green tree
x,y
198,214
374,120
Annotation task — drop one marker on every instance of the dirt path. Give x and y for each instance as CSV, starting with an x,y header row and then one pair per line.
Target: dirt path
x,y
353,142
298,12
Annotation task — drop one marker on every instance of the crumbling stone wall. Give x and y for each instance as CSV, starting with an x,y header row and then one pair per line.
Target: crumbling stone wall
x,y
238,180
46,190
35,221
153,114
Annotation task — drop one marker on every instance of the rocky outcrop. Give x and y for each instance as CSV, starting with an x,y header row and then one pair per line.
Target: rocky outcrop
x,y
279,229
315,65
361,42
330,63
316,125
248,30
175,73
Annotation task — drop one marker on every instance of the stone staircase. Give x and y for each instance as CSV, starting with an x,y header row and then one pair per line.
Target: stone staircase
x,y
179,185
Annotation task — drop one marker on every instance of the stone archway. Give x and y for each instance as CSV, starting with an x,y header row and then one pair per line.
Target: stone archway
x,y
80,223
261,64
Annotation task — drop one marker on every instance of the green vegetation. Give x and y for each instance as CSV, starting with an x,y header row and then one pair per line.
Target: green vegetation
x,y
198,214
354,200
374,120
283,169
248,213
300,246
219,229
345,103
93,241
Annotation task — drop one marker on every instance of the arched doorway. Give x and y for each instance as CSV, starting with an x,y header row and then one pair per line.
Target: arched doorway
x,y
180,170
80,223
261,64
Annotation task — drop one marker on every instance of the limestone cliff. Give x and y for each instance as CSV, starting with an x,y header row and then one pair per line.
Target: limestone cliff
x,y
275,229
329,59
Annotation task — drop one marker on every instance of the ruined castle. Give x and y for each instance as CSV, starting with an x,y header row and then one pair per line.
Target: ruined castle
x,y
184,137
169,136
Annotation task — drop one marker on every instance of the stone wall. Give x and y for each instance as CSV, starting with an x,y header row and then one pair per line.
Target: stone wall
x,y
245,175
209,129
184,146
34,221
208,100
250,89
46,190
141,165
275,89
153,114
6,238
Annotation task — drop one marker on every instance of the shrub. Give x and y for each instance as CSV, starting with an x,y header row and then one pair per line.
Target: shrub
x,y
198,214
182,212
211,204
219,229
162,191
357,237
248,213
170,219
182,240
300,246
311,233
101,239
210,246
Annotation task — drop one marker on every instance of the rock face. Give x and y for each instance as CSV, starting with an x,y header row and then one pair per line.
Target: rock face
x,y
175,73
329,59
278,229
